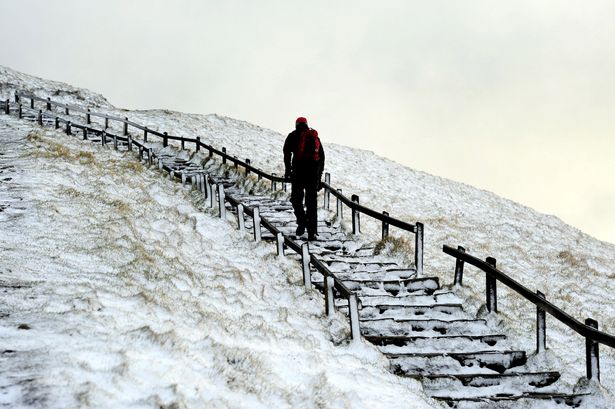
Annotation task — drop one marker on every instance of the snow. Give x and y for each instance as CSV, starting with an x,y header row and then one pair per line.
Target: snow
x,y
141,297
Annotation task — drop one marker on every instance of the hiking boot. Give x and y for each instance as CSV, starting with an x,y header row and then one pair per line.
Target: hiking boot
x,y
312,236
300,230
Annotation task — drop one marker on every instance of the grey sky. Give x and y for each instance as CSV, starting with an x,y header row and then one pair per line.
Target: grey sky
x,y
516,97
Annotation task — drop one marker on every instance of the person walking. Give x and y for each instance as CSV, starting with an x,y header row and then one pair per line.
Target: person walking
x,y
304,162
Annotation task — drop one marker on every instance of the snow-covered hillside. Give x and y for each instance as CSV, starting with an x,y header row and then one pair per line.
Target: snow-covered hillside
x,y
168,324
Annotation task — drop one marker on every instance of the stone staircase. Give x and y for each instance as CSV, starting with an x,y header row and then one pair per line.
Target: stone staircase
x,y
421,328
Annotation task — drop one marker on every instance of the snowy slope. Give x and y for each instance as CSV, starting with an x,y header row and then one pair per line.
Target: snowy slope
x,y
572,268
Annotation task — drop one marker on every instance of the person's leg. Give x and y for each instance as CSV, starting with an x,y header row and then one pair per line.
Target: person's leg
x,y
296,198
311,203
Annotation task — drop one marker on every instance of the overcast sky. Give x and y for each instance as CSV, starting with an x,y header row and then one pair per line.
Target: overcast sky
x,y
514,97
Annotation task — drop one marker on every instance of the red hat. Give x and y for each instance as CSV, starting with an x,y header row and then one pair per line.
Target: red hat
x,y
301,120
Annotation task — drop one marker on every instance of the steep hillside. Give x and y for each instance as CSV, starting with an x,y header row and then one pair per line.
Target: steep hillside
x,y
572,268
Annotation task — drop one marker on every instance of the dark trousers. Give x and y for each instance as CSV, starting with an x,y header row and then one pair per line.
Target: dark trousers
x,y
307,217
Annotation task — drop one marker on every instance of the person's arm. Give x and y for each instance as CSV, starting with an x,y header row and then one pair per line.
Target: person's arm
x,y
288,151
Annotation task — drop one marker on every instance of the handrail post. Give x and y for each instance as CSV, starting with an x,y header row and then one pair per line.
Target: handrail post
x,y
240,217
248,163
224,156
491,290
256,221
280,244
20,112
68,128
85,133
6,106
274,185
327,194
329,300
165,139
459,263
48,104
212,195
145,135
353,312
115,141
57,122
592,353
207,186
103,138
31,103
150,157
125,126
418,247
183,144
129,143
221,206
106,123
339,206
66,111
88,117
541,326
385,226
356,221
305,263
39,117
198,144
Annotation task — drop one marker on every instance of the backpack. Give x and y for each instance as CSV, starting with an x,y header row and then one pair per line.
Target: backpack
x,y
308,148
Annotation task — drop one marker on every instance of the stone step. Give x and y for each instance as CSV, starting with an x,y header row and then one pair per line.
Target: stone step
x,y
441,344
509,380
410,285
510,401
438,311
432,363
437,298
425,327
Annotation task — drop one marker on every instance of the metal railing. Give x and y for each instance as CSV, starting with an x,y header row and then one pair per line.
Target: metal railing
x,y
589,329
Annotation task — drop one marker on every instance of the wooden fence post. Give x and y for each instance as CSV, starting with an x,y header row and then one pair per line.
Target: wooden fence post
x,y
198,143
68,128
459,268
48,104
491,290
88,117
280,244
183,144
6,106
240,218
212,195
20,112
145,135
130,143
356,221
39,117
418,247
165,139
339,206
85,133
115,141
224,155
221,207
103,138
31,103
256,221
329,283
248,163
106,123
274,185
353,312
541,327
327,194
125,126
385,226
592,353
57,122
305,263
